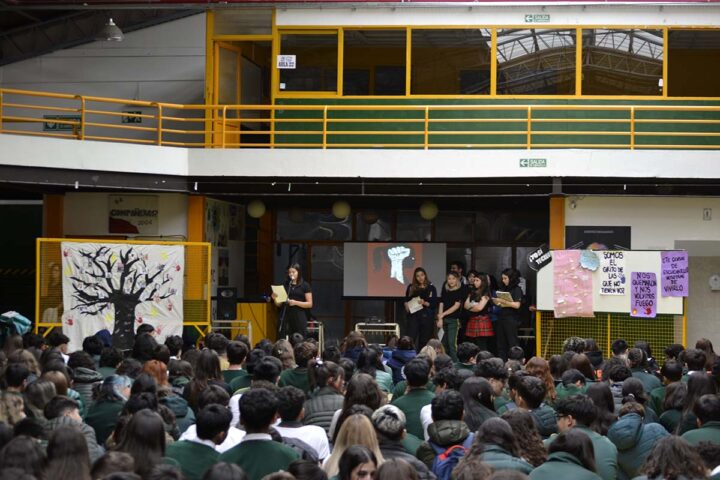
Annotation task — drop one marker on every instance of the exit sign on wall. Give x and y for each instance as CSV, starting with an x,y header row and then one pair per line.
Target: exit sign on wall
x,y
537,18
533,162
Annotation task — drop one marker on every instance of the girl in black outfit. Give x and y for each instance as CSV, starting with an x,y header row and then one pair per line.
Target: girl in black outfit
x,y
421,324
300,301
449,312
506,327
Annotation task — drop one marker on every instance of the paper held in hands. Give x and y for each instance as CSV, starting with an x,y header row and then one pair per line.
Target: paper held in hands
x,y
415,304
280,294
502,296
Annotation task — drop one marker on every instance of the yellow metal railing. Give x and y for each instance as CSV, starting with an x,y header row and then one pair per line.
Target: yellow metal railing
x,y
587,125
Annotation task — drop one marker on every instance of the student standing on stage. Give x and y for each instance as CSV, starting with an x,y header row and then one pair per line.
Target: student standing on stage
x,y
506,327
449,311
297,308
477,304
421,322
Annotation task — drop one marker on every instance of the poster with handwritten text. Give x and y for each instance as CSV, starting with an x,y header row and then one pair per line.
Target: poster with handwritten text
x,y
643,295
674,281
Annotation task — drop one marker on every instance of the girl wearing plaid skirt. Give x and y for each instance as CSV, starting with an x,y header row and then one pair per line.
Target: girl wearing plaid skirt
x,y
477,304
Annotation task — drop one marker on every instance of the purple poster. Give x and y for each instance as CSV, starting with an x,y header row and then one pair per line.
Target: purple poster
x,y
674,274
643,294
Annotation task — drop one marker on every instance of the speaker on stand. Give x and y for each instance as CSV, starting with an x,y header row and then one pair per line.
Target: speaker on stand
x,y
226,309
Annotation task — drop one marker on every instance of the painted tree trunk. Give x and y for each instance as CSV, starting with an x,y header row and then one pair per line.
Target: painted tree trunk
x,y
124,331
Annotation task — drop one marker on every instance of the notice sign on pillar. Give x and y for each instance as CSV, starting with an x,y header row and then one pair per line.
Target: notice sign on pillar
x,y
287,62
643,295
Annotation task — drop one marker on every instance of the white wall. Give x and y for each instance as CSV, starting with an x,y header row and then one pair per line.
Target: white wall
x,y
657,222
662,223
87,214
164,63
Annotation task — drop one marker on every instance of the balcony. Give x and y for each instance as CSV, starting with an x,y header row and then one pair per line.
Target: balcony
x,y
372,123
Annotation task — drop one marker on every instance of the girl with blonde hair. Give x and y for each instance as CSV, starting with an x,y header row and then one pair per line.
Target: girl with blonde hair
x,y
355,430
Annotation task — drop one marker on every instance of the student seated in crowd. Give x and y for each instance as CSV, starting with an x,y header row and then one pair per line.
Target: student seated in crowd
x,y
346,417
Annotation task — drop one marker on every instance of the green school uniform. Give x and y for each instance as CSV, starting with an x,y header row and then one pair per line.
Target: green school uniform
x,y
230,375
259,456
709,432
194,458
411,403
296,377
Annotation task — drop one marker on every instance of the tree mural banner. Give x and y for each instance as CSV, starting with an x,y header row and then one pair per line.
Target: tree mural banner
x,y
118,287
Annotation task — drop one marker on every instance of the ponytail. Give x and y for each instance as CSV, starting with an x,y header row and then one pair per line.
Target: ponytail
x,y
320,372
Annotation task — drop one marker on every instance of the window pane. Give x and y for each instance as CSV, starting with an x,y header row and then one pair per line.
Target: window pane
x,y
690,53
327,262
301,225
622,62
373,227
536,62
412,228
493,260
454,227
246,21
374,62
316,63
451,62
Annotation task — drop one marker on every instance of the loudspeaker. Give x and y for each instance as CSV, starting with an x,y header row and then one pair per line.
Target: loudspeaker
x,y
227,303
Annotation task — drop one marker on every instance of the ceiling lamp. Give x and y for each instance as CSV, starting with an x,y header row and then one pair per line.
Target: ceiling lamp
x,y
256,209
341,209
110,33
428,210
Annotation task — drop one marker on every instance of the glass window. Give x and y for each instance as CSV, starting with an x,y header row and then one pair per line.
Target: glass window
x,y
454,227
450,62
536,62
374,62
316,62
412,228
245,21
622,62
693,57
372,226
493,260
327,262
297,224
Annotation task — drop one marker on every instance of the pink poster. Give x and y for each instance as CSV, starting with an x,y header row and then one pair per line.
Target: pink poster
x,y
573,295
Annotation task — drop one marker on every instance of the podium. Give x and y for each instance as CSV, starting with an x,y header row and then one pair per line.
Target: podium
x,y
258,320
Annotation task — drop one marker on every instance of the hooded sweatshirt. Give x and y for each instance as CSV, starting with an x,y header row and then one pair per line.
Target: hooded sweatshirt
x,y
634,441
443,433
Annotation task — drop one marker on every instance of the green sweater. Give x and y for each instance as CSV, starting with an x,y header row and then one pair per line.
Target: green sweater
x,y
103,417
657,399
260,457
562,465
709,432
194,458
230,375
411,403
296,377
401,386
500,459
605,453
240,382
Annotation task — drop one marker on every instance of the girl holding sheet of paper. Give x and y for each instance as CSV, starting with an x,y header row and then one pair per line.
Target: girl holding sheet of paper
x,y
299,302
420,304
506,327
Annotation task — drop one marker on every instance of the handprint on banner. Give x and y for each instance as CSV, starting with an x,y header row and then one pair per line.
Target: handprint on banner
x,y
397,255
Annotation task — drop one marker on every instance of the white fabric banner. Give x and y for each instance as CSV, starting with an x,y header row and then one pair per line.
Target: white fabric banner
x,y
118,287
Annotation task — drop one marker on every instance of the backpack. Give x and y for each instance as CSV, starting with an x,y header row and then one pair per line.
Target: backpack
x,y
446,460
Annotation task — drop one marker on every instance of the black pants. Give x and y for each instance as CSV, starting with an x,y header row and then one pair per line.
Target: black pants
x,y
506,334
421,327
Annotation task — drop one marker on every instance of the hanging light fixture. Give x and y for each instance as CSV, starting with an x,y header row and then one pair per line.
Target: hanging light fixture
x,y
256,209
110,32
341,209
428,210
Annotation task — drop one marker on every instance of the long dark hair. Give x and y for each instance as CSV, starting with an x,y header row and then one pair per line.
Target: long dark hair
x,y
351,458
299,280
675,396
602,397
68,454
415,287
321,372
513,277
476,294
362,389
672,458
699,384
369,362
577,444
528,438
25,454
207,367
144,439
496,431
476,393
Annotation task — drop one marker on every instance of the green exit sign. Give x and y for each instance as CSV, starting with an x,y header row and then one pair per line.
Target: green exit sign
x,y
533,162
537,18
